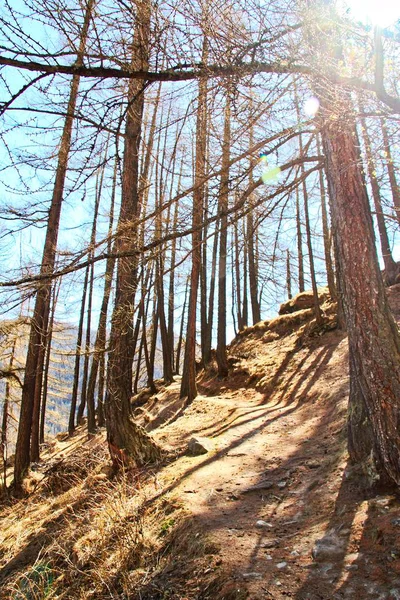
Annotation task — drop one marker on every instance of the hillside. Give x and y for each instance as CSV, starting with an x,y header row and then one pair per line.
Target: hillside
x,y
270,510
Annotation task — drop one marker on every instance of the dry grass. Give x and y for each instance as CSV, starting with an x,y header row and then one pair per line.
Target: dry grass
x,y
80,535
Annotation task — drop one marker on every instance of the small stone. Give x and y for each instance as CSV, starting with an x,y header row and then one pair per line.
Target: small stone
x,y
314,484
252,575
313,464
295,553
351,567
260,524
330,547
198,446
382,501
268,557
281,565
395,522
269,544
351,558
282,484
263,485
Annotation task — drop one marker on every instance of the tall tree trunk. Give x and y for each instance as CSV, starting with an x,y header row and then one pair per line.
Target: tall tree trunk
x,y
251,248
330,275
37,399
188,385
245,304
390,265
75,385
299,243
56,289
394,186
91,420
159,265
34,359
374,340
211,296
5,416
238,286
150,363
180,339
82,404
222,359
101,335
171,289
288,275
317,310
128,442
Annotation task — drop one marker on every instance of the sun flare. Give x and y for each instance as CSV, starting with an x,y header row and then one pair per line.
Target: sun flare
x,y
382,13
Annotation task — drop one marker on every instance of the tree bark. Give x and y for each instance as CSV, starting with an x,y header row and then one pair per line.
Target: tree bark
x,y
101,335
374,340
288,275
330,275
394,186
35,355
188,385
390,265
299,243
128,443
222,359
56,289
75,385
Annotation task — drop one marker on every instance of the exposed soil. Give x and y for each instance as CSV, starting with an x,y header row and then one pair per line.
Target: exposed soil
x,y
242,520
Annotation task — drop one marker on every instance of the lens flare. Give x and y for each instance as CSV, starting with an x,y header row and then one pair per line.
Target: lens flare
x,y
271,175
383,13
311,106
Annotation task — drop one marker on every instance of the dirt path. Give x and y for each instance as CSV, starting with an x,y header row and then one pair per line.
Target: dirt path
x,y
273,497
275,481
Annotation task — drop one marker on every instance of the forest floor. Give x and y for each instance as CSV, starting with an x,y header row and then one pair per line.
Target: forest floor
x,y
272,510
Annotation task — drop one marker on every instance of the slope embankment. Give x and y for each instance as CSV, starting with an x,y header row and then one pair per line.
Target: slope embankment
x,y
270,509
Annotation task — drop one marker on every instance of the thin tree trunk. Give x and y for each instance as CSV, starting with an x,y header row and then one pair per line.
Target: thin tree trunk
x,y
245,304
390,265
330,275
288,275
75,386
101,419
317,310
34,359
91,420
101,335
299,243
35,446
56,289
159,266
222,359
211,295
251,248
237,278
394,186
171,290
35,355
188,385
153,346
4,421
180,339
